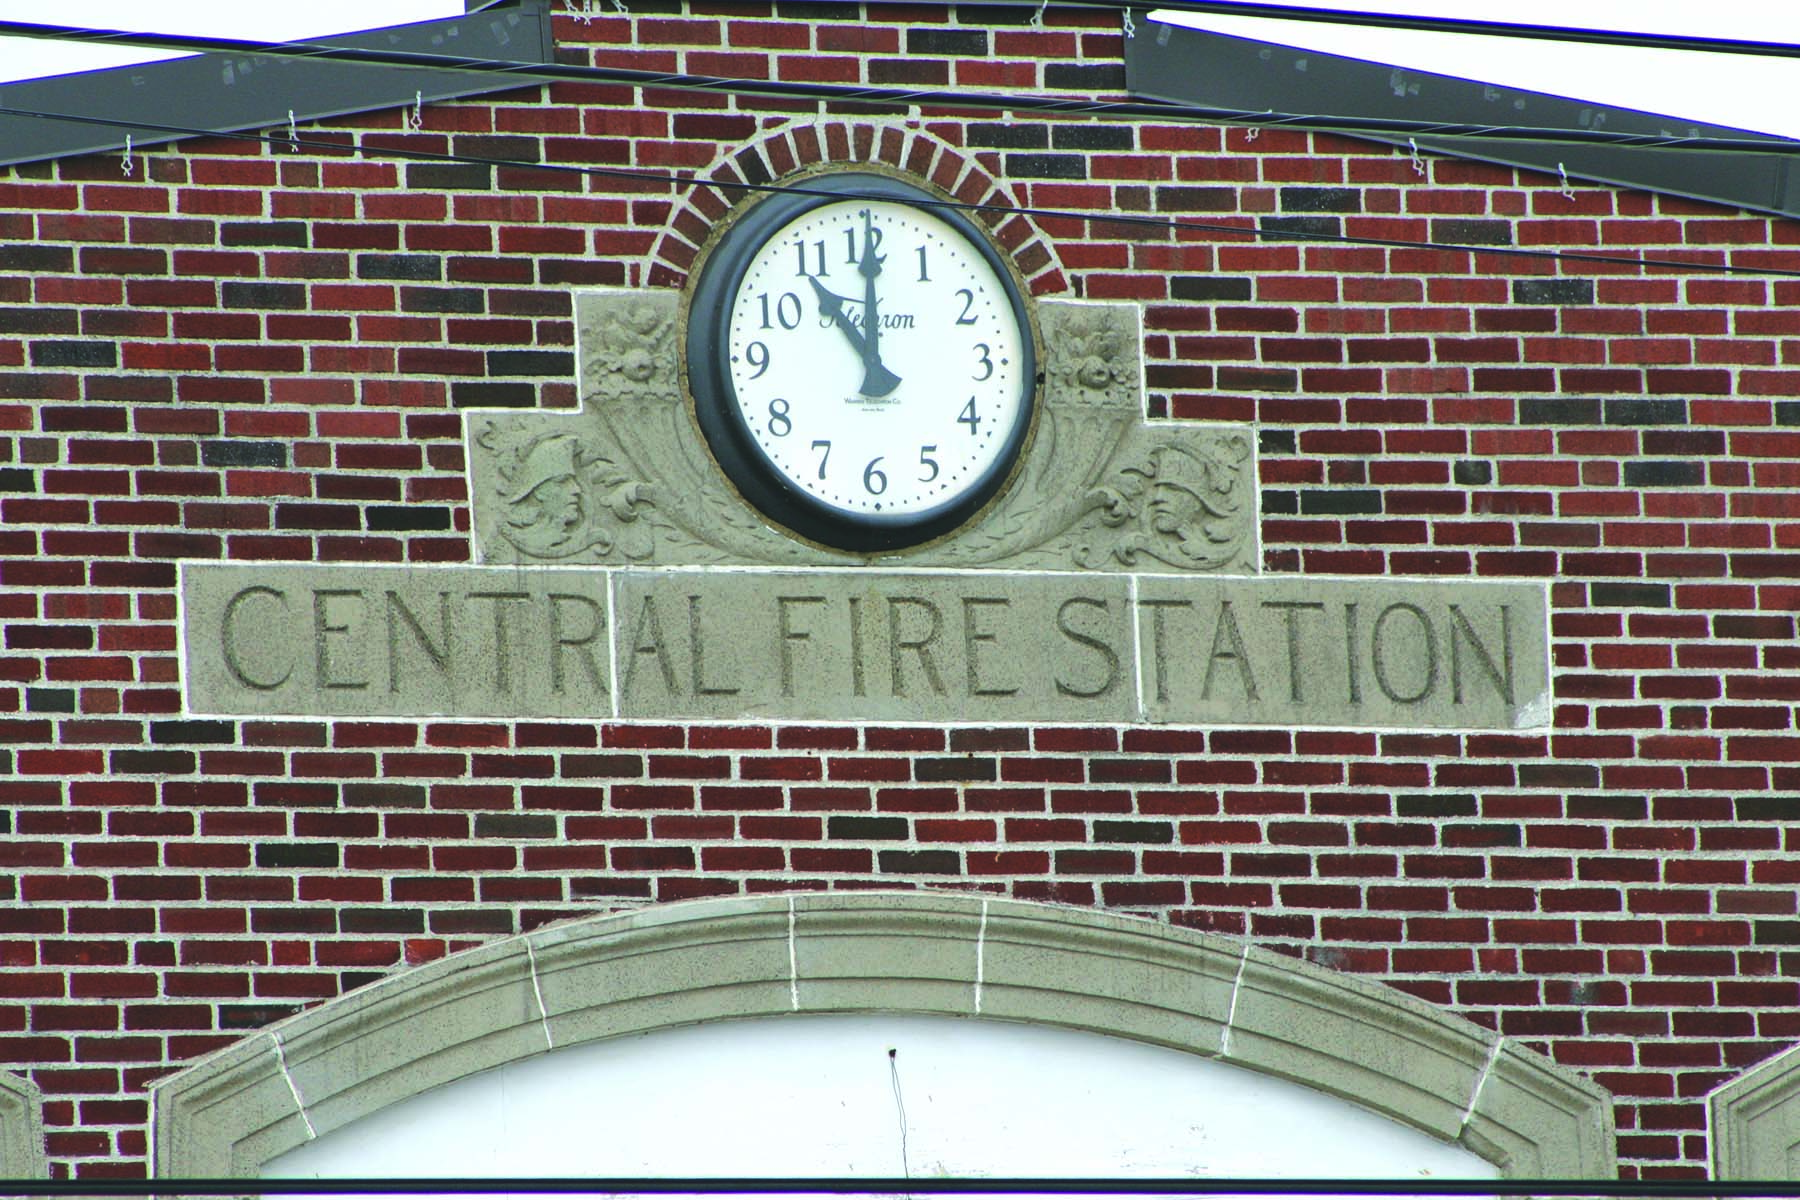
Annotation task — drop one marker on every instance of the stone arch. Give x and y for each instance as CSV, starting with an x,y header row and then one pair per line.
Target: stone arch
x,y
21,1129
799,146
929,953
1755,1121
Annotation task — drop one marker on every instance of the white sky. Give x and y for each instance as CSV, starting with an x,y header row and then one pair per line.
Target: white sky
x,y
262,20
1749,92
1745,91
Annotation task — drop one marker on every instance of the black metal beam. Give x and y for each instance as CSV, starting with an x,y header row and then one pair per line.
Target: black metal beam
x,y
233,91
1187,66
1622,1189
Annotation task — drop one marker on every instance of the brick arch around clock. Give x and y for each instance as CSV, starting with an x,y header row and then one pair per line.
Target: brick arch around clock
x,y
801,146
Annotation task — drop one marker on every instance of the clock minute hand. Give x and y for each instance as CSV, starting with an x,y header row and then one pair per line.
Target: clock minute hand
x,y
877,379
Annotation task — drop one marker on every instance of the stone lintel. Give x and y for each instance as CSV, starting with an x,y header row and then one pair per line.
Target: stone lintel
x,y
863,644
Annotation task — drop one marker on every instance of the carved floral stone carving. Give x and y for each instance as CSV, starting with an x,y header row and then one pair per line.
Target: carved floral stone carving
x,y
629,480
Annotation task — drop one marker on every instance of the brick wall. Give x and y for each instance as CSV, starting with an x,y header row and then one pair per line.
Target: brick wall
x,y
241,352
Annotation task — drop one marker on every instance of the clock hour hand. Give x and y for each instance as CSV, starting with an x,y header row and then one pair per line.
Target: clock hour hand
x,y
877,379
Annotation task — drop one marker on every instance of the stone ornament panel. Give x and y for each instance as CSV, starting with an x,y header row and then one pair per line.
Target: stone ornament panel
x,y
863,644
928,953
21,1129
628,480
1756,1121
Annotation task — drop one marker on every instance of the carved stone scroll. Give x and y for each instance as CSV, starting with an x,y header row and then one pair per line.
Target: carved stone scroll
x,y
629,480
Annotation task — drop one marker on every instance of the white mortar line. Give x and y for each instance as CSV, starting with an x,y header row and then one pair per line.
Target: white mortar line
x,y
980,956
793,961
1132,620
537,990
1237,985
1487,1069
181,624
293,1087
612,639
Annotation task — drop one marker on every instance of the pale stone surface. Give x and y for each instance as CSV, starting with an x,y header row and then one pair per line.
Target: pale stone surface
x,y
395,641
1756,1121
651,969
944,646
233,1116
375,1052
865,646
1421,1069
1121,976
1388,653
936,952
1508,1123
629,478
21,1129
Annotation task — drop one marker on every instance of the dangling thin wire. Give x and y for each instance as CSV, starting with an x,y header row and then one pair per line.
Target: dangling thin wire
x,y
415,120
125,163
899,1107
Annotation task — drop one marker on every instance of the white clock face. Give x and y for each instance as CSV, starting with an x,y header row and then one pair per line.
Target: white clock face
x,y
876,359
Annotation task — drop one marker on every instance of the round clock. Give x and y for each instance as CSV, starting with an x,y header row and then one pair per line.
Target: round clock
x,y
862,362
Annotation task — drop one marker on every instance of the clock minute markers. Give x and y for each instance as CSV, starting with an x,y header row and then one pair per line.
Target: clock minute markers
x,y
931,321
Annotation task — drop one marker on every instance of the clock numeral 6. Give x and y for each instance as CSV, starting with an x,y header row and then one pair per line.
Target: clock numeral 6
x,y
925,460
786,310
780,425
874,481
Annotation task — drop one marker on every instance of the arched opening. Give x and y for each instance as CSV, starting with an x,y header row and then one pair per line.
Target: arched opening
x,y
596,1003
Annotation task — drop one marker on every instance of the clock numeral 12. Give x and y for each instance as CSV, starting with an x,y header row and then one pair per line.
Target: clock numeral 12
x,y
850,254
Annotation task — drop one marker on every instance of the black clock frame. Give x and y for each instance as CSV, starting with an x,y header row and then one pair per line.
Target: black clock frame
x,y
722,422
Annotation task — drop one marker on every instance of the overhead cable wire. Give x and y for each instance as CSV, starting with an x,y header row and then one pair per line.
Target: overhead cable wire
x,y
1257,231
936,98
